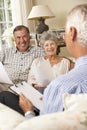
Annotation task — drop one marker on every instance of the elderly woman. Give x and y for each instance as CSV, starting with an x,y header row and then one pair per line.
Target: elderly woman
x,y
45,69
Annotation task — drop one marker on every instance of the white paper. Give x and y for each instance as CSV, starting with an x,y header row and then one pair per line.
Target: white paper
x,y
31,93
4,76
43,73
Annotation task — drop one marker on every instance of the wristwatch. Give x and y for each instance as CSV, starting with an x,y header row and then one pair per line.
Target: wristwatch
x,y
29,113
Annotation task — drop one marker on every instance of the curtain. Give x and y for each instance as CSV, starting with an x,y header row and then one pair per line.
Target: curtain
x,y
20,11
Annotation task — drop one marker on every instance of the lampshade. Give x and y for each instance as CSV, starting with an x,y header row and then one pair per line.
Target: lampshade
x,y
40,13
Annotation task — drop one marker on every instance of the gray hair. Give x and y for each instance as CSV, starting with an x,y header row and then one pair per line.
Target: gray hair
x,y
20,27
48,36
77,18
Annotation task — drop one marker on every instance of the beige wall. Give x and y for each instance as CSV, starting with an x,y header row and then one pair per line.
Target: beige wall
x,y
60,8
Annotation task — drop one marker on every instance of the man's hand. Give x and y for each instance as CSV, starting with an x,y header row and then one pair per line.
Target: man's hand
x,y
25,104
36,86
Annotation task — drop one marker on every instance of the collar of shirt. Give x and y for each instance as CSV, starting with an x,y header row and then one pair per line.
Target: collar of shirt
x,y
16,50
81,61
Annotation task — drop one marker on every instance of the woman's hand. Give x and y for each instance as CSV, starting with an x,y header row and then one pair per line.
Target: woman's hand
x,y
25,104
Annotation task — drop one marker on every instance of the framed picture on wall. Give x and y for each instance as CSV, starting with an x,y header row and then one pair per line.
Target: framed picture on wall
x,y
60,35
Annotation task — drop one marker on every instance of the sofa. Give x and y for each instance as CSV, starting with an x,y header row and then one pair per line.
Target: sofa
x,y
74,117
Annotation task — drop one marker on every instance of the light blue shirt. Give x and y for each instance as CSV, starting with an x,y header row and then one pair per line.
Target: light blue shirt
x,y
75,81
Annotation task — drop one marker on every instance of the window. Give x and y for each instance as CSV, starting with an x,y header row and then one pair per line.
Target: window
x,y
12,13
5,19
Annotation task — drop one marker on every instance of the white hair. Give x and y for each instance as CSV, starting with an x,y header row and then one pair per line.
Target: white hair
x,y
77,18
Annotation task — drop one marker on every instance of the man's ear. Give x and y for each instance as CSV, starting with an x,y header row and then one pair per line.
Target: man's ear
x,y
73,33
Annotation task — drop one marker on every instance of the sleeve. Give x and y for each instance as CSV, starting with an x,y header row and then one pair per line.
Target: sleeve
x,y
45,105
69,64
66,65
52,98
2,55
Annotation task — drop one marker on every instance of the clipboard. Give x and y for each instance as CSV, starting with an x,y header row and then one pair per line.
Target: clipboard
x,y
30,92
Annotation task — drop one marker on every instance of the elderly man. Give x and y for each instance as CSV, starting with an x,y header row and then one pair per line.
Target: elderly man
x,y
17,60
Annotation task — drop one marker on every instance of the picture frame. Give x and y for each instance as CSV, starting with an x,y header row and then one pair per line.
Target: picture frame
x,y
60,35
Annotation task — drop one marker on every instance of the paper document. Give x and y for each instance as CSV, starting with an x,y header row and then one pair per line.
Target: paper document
x,y
4,78
31,93
43,73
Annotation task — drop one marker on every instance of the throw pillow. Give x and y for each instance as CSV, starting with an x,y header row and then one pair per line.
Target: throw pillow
x,y
66,120
75,102
9,118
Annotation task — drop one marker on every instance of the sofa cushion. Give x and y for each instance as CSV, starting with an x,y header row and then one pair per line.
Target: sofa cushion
x,y
75,102
9,118
66,120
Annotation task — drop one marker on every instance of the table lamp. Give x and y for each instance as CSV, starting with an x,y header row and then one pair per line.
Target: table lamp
x,y
40,13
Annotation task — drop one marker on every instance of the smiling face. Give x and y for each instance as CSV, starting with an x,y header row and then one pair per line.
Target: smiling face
x,y
50,47
22,39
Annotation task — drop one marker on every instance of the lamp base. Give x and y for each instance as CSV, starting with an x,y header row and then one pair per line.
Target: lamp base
x,y
41,26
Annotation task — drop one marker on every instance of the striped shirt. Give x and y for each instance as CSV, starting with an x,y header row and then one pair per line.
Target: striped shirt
x,y
17,64
74,82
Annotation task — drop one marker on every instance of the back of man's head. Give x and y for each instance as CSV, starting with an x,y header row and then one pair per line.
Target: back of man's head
x,y
77,18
